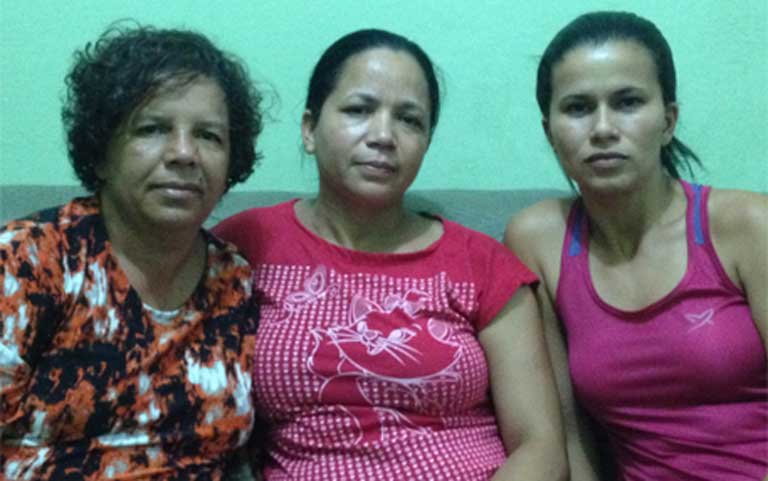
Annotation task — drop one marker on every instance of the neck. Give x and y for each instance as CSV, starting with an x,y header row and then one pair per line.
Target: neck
x,y
363,227
620,221
162,265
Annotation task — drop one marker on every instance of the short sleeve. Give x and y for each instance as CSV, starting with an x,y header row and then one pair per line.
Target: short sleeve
x,y
500,274
29,307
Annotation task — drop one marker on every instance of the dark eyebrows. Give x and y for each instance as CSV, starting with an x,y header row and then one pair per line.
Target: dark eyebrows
x,y
366,98
214,124
407,105
575,98
630,93
629,90
410,106
158,118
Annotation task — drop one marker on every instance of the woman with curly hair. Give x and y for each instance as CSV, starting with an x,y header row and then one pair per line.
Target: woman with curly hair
x,y
127,330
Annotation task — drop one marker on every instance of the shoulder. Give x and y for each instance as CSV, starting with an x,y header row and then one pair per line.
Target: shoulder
x,y
738,225
734,212
249,216
456,231
257,230
229,280
245,223
33,251
42,228
480,248
222,252
538,229
488,258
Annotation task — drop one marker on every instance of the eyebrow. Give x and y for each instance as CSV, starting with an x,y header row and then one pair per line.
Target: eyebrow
x,y
622,91
215,124
630,89
575,96
406,104
150,116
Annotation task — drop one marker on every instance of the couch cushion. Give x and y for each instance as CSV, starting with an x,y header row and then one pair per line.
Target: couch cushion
x,y
484,210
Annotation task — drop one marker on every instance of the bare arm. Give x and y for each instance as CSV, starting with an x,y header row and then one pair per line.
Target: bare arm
x,y
752,263
536,236
524,393
580,444
739,226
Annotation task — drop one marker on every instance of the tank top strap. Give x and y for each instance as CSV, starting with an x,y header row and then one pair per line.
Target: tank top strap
x,y
576,234
701,249
574,260
696,213
574,257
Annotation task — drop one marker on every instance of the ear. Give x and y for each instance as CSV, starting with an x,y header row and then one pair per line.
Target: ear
x,y
308,132
671,113
545,126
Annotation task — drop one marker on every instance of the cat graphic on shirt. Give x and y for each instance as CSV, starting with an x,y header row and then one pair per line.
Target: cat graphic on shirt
x,y
397,345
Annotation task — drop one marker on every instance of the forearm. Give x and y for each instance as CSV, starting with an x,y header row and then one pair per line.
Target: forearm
x,y
533,461
582,450
581,463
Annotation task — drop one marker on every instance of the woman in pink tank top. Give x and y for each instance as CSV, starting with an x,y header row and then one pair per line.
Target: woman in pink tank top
x,y
653,289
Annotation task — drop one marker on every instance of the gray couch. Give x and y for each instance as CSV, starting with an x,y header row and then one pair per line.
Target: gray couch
x,y
486,211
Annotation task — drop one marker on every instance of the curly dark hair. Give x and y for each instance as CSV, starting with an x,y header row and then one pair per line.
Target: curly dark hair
x,y
110,78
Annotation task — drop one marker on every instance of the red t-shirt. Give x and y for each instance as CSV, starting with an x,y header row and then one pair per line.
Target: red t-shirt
x,y
368,364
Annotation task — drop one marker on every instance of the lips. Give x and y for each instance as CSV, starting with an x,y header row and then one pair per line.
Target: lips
x,y
377,165
178,188
604,157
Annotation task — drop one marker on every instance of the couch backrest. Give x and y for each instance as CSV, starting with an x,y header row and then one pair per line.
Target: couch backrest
x,y
484,210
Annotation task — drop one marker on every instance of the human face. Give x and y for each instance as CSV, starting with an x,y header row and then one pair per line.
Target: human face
x,y
373,129
167,163
607,120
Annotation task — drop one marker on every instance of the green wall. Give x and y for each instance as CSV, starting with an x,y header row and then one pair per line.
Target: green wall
x,y
489,137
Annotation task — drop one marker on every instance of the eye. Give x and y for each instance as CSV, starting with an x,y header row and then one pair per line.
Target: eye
x,y
356,109
630,102
413,121
148,129
211,136
577,108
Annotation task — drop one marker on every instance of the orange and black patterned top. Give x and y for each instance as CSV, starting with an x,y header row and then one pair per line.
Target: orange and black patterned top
x,y
96,385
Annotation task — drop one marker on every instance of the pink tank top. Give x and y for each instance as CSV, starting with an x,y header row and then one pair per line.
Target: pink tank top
x,y
680,386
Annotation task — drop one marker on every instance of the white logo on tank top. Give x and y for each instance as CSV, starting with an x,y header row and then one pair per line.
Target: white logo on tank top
x,y
700,320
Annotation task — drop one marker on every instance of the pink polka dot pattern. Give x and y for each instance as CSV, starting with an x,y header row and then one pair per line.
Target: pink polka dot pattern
x,y
368,364
339,414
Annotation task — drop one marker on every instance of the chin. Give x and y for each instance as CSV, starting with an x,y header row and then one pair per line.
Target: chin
x,y
380,197
607,185
178,219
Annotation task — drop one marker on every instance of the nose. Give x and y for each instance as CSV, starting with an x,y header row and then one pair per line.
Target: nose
x,y
380,132
182,147
604,127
